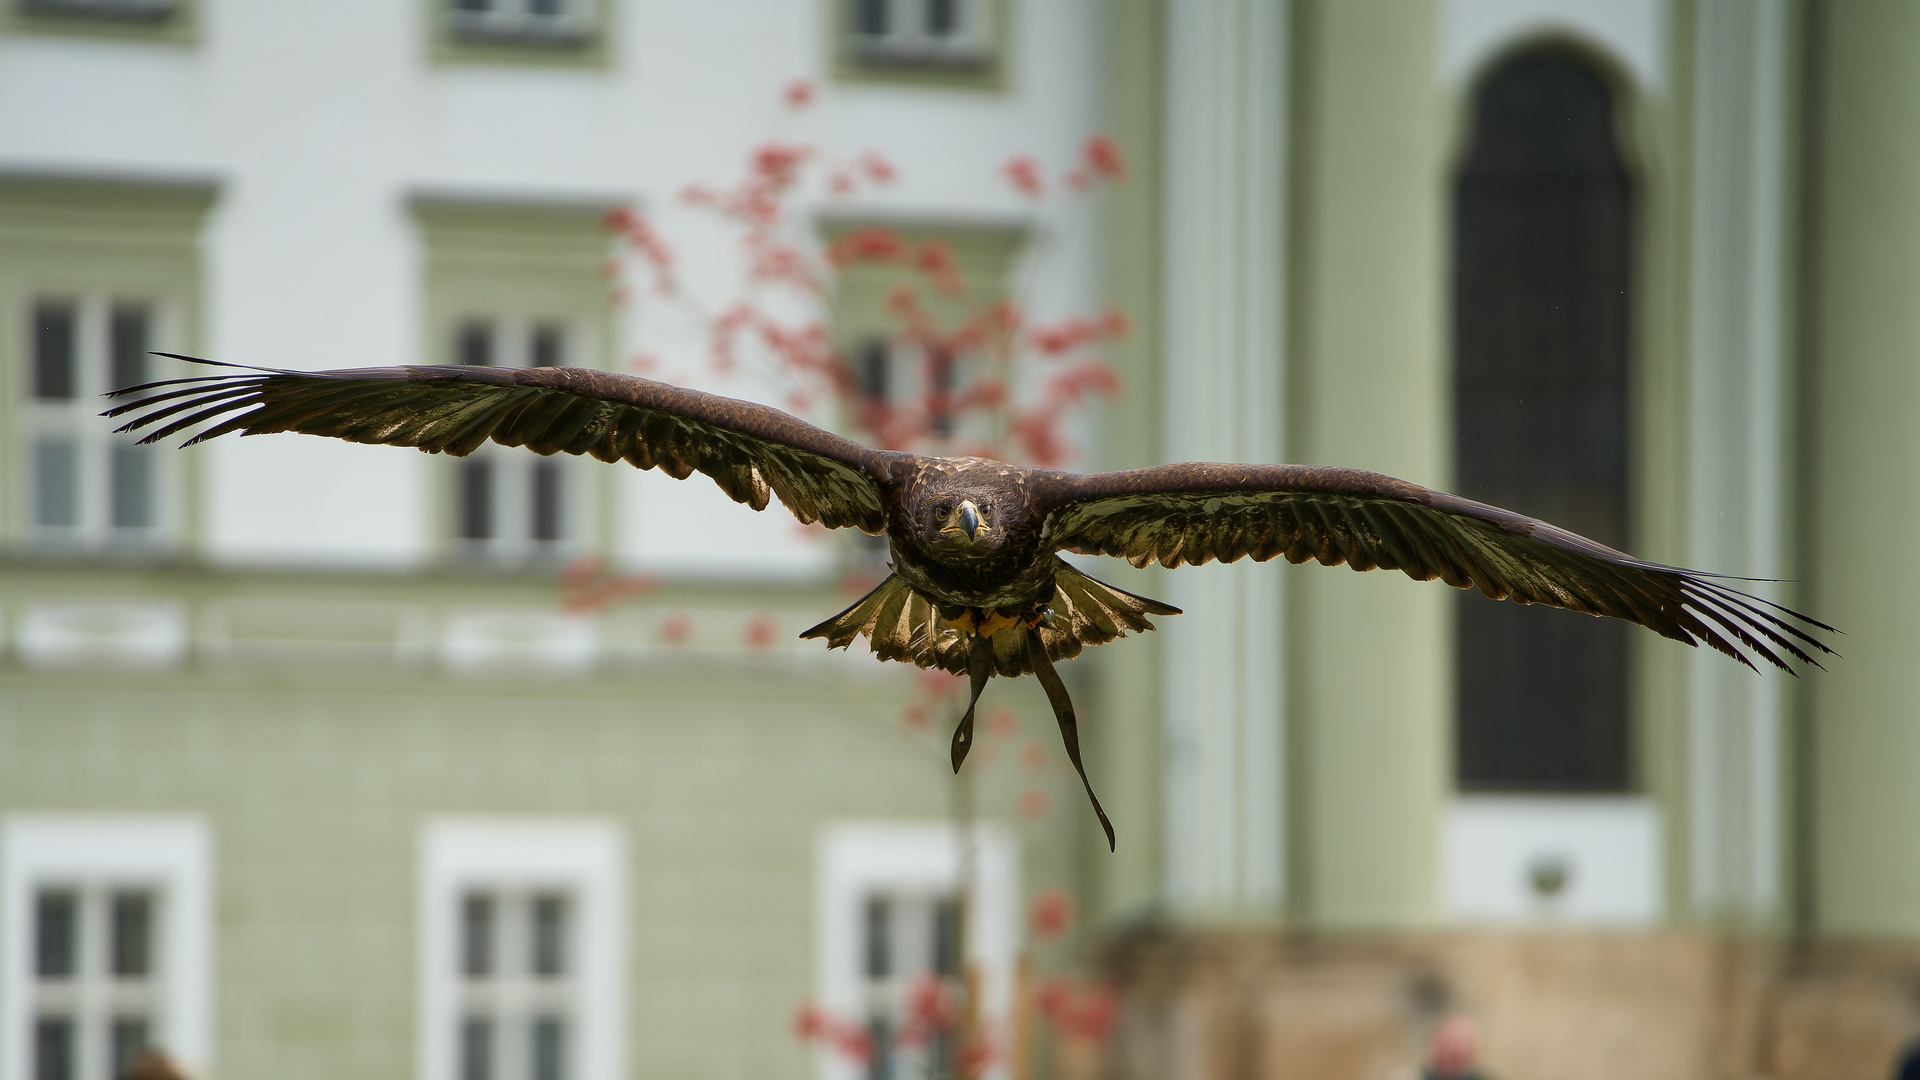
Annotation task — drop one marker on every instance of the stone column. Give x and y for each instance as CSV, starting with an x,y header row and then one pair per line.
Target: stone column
x,y
1222,371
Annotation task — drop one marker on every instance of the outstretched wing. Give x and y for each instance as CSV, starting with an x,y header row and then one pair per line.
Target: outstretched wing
x,y
1194,512
747,449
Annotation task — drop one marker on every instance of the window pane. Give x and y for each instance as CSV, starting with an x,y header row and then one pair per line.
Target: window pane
x,y
132,486
546,500
473,5
549,1048
53,1048
476,499
129,345
131,1034
476,936
132,934
880,1065
56,469
940,383
54,342
943,17
875,371
1543,212
946,937
549,346
474,345
550,936
879,937
56,929
870,16
476,1048
547,8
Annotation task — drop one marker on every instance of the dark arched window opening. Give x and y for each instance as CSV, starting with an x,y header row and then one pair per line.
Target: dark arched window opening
x,y
1542,221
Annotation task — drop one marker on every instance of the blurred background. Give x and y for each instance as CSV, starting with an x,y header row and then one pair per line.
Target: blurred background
x,y
321,760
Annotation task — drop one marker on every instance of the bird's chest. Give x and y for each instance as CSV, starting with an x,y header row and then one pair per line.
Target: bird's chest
x,y
1011,579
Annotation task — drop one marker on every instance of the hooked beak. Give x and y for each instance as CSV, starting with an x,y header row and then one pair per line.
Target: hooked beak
x,y
966,518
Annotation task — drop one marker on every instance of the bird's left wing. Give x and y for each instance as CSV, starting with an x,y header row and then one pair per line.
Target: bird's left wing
x,y
1197,512
747,449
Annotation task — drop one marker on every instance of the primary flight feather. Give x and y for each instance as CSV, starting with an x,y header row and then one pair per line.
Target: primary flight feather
x,y
977,585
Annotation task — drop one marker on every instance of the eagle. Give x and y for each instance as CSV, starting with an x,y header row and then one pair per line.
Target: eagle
x,y
976,584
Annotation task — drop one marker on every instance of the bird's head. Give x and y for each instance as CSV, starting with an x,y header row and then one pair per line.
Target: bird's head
x,y
960,522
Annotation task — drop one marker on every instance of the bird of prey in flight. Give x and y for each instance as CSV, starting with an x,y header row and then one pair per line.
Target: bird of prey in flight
x,y
977,584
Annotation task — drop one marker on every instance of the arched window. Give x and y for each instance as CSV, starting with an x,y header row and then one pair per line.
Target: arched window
x,y
1542,224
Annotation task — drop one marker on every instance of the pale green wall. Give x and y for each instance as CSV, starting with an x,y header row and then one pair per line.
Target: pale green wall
x,y
1370,667
316,780
1863,387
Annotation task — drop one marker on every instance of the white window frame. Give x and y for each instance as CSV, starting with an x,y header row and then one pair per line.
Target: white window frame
x,y
856,859
583,858
170,854
77,419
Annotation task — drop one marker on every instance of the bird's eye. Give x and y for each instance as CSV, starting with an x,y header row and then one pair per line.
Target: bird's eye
x,y
943,510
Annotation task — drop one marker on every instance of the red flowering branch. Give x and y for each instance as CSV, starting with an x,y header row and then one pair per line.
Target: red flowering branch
x,y
971,346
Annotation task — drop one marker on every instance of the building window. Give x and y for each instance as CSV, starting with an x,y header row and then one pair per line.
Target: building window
x,y
1543,224
515,983
910,944
563,33
562,24
136,11
107,921
512,284
892,924
137,20
920,33
512,505
89,487
523,956
99,273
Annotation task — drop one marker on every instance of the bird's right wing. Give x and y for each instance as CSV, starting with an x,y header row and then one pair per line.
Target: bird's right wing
x,y
747,449
1197,512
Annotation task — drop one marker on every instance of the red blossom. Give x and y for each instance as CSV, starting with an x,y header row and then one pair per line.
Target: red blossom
x,y
930,1012
676,629
935,259
867,245
633,228
1085,1015
778,163
914,716
1002,721
799,94
759,632
1077,333
1103,158
1034,756
809,1022
976,1055
1051,914
585,585
1035,802
1023,173
937,684
878,168
853,1041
